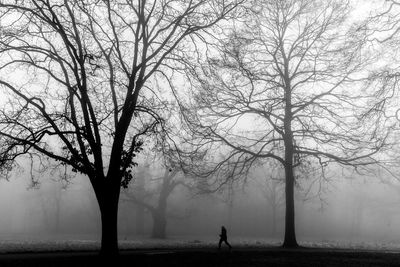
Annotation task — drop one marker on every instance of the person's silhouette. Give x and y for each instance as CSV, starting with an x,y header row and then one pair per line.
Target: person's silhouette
x,y
223,237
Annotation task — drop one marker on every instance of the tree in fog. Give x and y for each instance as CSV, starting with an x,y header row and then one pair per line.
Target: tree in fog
x,y
81,82
140,192
155,199
282,86
50,201
272,191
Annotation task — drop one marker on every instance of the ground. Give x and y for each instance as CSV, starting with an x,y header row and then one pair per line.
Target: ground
x,y
209,257
35,251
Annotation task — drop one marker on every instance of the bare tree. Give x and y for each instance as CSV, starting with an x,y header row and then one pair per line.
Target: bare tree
x,y
80,80
272,189
50,199
155,199
140,183
282,86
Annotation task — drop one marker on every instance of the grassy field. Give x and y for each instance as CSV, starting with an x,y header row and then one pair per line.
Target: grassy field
x,y
31,251
209,257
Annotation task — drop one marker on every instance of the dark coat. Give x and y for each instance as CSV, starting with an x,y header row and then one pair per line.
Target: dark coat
x,y
223,233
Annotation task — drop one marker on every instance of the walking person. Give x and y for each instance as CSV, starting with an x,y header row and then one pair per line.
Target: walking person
x,y
223,237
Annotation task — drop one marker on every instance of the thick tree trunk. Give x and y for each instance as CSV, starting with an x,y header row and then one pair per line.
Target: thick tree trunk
x,y
108,199
109,229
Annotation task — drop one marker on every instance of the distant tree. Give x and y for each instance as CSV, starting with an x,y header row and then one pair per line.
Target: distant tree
x,y
140,183
282,86
79,82
272,189
50,200
230,202
155,199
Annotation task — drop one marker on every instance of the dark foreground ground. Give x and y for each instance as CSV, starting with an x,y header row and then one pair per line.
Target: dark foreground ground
x,y
209,257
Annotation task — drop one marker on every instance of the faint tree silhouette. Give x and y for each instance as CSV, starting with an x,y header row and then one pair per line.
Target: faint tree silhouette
x,y
272,189
154,198
80,79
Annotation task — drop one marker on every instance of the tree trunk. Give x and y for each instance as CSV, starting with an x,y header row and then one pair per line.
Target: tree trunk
x,y
57,215
159,225
140,210
290,234
160,212
108,202
109,229
274,219
139,219
230,206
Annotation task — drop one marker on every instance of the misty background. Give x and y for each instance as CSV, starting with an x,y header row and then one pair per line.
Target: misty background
x,y
334,202
357,209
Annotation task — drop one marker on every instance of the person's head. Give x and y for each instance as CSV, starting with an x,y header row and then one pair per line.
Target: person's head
x,y
222,227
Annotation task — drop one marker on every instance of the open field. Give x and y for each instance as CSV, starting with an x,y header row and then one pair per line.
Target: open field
x,y
64,243
192,251
209,257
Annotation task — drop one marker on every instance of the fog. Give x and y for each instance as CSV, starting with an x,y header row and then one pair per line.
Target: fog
x,y
350,209
284,97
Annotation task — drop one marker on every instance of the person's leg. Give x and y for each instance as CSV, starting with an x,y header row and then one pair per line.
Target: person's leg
x,y
219,243
229,245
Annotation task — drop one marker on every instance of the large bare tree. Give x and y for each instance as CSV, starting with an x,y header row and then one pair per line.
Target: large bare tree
x,y
80,81
283,86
